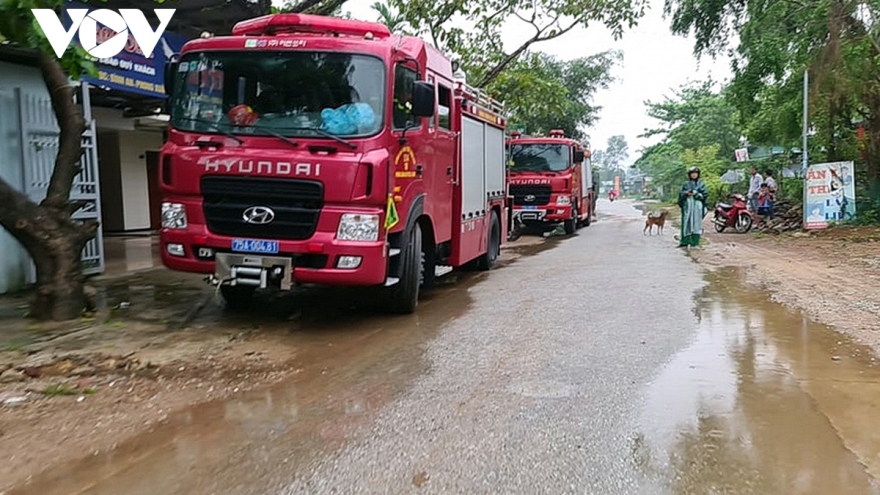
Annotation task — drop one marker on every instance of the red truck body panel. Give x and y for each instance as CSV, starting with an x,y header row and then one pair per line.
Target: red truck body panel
x,y
549,190
428,176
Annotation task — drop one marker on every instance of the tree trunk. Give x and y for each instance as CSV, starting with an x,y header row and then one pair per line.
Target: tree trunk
x,y
47,232
872,163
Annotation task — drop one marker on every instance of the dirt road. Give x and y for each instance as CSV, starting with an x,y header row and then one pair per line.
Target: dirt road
x,y
607,362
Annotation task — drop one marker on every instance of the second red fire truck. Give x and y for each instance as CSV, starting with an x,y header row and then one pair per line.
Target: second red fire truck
x,y
315,150
551,181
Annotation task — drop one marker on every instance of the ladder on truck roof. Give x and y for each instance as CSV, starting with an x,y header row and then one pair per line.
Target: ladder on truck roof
x,y
480,98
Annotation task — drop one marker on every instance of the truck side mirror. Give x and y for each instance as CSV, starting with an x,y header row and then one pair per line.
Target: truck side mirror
x,y
579,156
171,66
422,99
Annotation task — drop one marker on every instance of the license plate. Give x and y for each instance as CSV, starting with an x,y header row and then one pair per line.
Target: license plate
x,y
529,207
254,246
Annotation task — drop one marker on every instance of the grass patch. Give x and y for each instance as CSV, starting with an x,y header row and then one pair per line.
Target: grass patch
x,y
59,389
63,389
14,346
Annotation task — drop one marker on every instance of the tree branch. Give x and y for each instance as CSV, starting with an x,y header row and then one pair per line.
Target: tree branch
x,y
13,216
303,6
72,125
508,59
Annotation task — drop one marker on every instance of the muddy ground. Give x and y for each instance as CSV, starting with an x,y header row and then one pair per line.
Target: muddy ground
x,y
159,342
832,275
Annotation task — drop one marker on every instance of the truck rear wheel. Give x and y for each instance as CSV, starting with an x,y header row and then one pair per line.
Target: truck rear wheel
x,y
493,249
571,225
403,297
589,219
237,296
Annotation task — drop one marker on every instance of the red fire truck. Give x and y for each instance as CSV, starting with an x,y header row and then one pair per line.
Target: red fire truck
x,y
551,181
316,150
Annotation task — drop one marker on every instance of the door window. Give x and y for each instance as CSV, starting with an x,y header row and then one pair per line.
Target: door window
x,y
404,77
445,103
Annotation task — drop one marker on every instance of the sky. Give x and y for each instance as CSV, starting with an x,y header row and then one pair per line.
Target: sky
x,y
654,64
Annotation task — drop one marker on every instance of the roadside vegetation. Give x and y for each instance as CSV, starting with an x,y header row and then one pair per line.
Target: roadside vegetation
x,y
833,41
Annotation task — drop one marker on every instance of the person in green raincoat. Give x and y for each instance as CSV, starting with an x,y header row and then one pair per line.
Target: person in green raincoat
x,y
692,201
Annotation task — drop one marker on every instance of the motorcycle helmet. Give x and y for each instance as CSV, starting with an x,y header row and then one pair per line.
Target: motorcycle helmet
x,y
692,170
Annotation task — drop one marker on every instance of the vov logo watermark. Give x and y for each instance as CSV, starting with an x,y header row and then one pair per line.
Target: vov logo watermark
x,y
87,24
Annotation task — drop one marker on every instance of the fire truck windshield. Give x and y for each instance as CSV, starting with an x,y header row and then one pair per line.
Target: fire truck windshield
x,y
291,93
540,157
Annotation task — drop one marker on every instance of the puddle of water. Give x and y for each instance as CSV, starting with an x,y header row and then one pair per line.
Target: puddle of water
x,y
350,365
760,403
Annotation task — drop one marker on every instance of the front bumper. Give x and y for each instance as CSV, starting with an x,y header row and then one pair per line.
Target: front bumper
x,y
312,261
547,213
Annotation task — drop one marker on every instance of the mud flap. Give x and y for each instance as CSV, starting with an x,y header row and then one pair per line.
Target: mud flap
x,y
398,242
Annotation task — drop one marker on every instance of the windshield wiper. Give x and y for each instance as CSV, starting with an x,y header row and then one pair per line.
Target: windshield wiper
x,y
275,134
325,134
214,127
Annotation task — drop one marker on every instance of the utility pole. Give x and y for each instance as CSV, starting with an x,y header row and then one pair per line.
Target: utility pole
x,y
805,163
806,125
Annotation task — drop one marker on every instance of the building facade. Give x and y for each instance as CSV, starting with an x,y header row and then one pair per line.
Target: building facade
x,y
123,106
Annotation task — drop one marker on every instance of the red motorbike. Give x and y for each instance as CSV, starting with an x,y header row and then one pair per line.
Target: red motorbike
x,y
736,215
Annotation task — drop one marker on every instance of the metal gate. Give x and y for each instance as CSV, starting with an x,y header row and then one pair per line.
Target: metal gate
x,y
39,147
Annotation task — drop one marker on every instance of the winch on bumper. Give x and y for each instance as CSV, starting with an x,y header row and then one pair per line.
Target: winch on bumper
x,y
254,271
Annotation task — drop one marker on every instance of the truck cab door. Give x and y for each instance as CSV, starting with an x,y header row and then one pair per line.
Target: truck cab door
x,y
443,173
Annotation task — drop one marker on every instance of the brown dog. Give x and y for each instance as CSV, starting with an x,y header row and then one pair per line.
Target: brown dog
x,y
655,218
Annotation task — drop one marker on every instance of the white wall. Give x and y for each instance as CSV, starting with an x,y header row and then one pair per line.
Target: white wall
x,y
111,118
135,189
14,260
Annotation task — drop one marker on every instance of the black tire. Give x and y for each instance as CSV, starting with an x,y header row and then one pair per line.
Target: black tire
x,y
493,249
571,225
237,297
589,220
403,297
743,223
720,225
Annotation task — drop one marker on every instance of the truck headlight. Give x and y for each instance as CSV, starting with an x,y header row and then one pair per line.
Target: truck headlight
x,y
173,216
563,200
358,227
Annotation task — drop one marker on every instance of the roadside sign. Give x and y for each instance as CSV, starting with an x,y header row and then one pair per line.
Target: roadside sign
x,y
829,190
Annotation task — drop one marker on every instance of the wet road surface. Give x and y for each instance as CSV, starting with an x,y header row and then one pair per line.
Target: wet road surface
x,y
606,363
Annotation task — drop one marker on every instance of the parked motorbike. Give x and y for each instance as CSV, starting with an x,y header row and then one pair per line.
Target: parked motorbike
x,y
735,214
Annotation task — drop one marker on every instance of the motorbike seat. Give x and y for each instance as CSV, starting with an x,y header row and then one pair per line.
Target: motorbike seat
x,y
725,206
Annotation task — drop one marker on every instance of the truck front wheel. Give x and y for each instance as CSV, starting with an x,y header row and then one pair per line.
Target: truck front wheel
x,y
403,297
587,221
571,225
